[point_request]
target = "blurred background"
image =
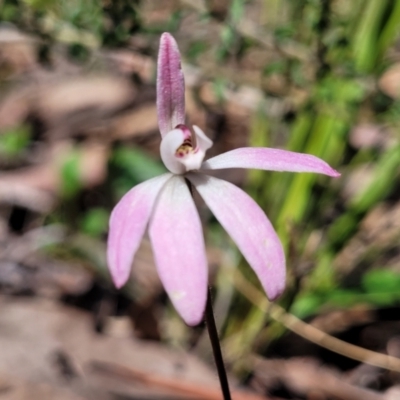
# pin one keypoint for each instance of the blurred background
(78, 129)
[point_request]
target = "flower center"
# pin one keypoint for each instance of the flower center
(184, 149)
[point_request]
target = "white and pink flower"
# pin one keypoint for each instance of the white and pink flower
(165, 207)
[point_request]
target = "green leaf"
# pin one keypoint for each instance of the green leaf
(14, 141)
(70, 175)
(136, 164)
(382, 183)
(345, 297)
(381, 281)
(196, 49)
(306, 305)
(382, 299)
(39, 4)
(95, 221)
(237, 10)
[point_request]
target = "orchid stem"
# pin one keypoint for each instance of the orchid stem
(214, 339)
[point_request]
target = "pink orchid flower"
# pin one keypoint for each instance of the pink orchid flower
(165, 205)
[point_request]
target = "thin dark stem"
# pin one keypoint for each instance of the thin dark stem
(214, 339)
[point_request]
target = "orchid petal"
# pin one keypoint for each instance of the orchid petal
(170, 86)
(271, 160)
(249, 228)
(169, 145)
(127, 225)
(178, 245)
(203, 142)
(194, 157)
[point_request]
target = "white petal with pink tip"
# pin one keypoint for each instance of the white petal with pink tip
(271, 160)
(249, 228)
(128, 223)
(178, 245)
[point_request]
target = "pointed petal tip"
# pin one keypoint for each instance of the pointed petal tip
(119, 276)
(335, 174)
(191, 315)
(272, 296)
(191, 309)
(168, 41)
(167, 36)
(119, 281)
(119, 273)
(326, 169)
(193, 321)
(274, 284)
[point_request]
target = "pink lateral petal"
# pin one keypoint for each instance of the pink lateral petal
(249, 228)
(170, 86)
(271, 160)
(127, 226)
(178, 245)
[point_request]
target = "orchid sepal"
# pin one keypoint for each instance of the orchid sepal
(128, 223)
(270, 160)
(170, 86)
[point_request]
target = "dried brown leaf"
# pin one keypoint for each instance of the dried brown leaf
(46, 343)
(389, 82)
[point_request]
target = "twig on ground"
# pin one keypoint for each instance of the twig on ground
(310, 332)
